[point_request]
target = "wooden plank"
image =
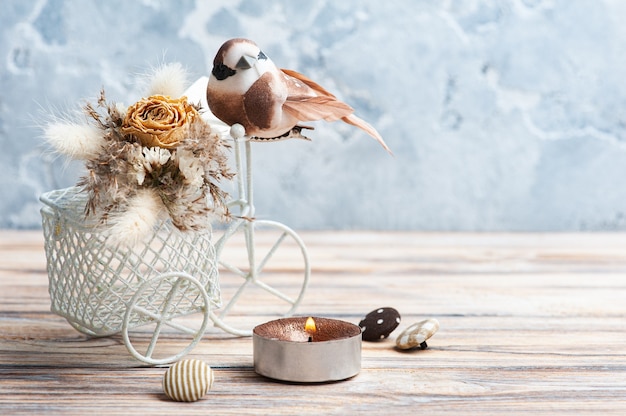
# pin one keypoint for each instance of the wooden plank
(530, 323)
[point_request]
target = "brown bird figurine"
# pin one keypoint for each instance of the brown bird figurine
(245, 87)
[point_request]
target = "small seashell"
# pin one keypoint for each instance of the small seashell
(379, 323)
(187, 380)
(417, 334)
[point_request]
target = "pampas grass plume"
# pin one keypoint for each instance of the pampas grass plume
(131, 226)
(77, 141)
(168, 79)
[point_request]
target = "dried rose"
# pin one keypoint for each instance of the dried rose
(159, 121)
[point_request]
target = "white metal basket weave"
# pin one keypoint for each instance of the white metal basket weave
(103, 290)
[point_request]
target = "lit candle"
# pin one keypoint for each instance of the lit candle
(307, 350)
(310, 328)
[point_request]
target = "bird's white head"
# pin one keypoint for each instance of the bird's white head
(239, 63)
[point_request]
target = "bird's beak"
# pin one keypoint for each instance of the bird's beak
(246, 62)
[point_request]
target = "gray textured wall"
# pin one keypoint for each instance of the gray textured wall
(503, 115)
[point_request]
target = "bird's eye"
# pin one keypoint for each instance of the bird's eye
(261, 56)
(222, 72)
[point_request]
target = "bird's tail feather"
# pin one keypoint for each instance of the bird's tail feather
(366, 127)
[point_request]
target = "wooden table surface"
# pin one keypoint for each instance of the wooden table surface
(530, 323)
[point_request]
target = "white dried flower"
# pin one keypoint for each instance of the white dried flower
(191, 167)
(145, 159)
(154, 157)
(138, 170)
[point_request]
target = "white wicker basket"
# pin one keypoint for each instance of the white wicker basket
(103, 290)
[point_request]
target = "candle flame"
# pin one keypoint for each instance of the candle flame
(309, 326)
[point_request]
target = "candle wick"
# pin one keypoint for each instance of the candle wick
(310, 339)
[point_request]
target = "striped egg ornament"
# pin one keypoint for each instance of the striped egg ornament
(187, 380)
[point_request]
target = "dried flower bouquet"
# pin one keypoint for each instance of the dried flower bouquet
(156, 159)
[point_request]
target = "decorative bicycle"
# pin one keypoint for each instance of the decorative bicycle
(151, 290)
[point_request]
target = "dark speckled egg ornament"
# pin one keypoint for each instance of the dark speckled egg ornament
(379, 323)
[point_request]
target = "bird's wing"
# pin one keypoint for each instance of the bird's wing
(308, 108)
(308, 101)
(308, 81)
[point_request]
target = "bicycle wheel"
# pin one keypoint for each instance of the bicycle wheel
(264, 272)
(162, 305)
